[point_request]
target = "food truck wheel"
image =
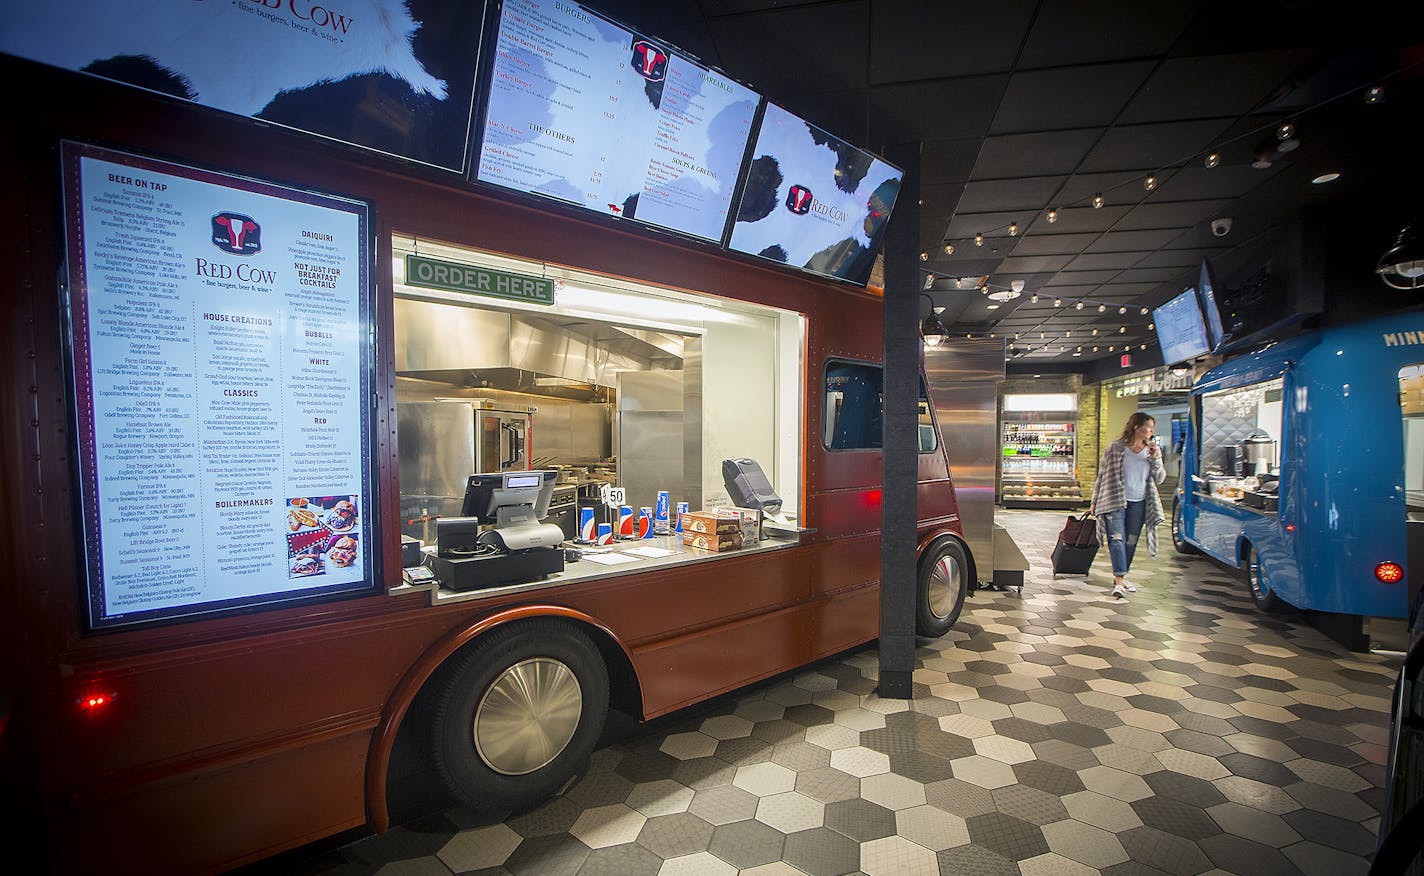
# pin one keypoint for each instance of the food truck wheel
(517, 717)
(944, 575)
(1261, 592)
(1179, 538)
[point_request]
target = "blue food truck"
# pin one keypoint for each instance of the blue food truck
(1303, 462)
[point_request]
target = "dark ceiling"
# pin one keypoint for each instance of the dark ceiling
(1022, 106)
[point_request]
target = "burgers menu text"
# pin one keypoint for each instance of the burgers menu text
(222, 367)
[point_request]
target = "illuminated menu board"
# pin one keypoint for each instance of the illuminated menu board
(588, 112)
(388, 75)
(1180, 331)
(220, 330)
(813, 201)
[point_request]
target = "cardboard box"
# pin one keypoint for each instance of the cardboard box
(713, 541)
(750, 520)
(715, 521)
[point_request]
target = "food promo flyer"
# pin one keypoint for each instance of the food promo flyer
(222, 370)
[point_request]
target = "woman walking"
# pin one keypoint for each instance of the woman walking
(1125, 496)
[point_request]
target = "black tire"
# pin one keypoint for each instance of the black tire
(1261, 592)
(943, 583)
(1179, 538)
(570, 687)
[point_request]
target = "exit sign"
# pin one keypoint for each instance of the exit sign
(1126, 360)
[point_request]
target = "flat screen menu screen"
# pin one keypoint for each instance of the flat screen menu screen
(389, 75)
(220, 334)
(1180, 331)
(588, 112)
(813, 201)
(1206, 288)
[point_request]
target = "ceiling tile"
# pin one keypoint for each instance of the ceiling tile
(1040, 243)
(1032, 264)
(1037, 154)
(1076, 219)
(1133, 241)
(1172, 214)
(1068, 97)
(943, 161)
(964, 226)
(1127, 290)
(1086, 31)
(912, 40)
(1197, 182)
(942, 110)
(1104, 261)
(1114, 187)
(1212, 85)
(1150, 275)
(942, 199)
(1175, 258)
(1148, 147)
(1083, 278)
(1009, 194)
(834, 60)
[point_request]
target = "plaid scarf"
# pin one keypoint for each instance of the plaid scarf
(1109, 493)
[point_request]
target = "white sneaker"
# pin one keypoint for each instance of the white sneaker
(1128, 587)
(1119, 591)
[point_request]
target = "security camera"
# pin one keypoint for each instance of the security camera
(1221, 227)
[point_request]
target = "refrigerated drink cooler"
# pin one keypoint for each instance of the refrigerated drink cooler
(443, 442)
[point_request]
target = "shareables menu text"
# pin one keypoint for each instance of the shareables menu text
(221, 370)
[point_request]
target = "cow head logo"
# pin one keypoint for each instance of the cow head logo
(798, 200)
(649, 60)
(237, 234)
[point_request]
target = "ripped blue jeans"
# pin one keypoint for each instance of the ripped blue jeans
(1124, 527)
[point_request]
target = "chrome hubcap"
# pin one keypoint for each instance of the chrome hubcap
(945, 584)
(527, 716)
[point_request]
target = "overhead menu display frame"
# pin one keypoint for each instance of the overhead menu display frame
(813, 201)
(588, 112)
(394, 76)
(223, 363)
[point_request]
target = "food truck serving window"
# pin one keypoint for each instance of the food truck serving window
(608, 381)
(220, 335)
(1241, 431)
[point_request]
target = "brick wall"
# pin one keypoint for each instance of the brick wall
(1090, 442)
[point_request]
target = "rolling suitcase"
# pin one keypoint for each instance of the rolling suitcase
(1077, 546)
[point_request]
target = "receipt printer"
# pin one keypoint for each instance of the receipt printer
(748, 486)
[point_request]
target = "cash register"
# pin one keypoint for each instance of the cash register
(498, 538)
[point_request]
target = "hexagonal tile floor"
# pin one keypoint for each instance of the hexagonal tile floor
(1059, 731)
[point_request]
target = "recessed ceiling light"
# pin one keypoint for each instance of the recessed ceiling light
(1326, 177)
(993, 307)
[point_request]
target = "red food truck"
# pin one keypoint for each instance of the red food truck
(215, 630)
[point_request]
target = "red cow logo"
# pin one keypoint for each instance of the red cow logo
(237, 234)
(649, 60)
(798, 200)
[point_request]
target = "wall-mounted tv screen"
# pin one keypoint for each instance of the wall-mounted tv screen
(1181, 333)
(389, 75)
(1206, 290)
(812, 200)
(586, 111)
(222, 357)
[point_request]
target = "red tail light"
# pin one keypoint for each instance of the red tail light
(1389, 573)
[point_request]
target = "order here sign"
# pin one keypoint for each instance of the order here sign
(455, 277)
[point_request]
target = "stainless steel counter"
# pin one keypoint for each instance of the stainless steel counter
(588, 570)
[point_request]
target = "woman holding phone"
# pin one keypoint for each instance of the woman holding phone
(1125, 496)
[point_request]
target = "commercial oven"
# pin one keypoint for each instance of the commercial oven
(443, 442)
